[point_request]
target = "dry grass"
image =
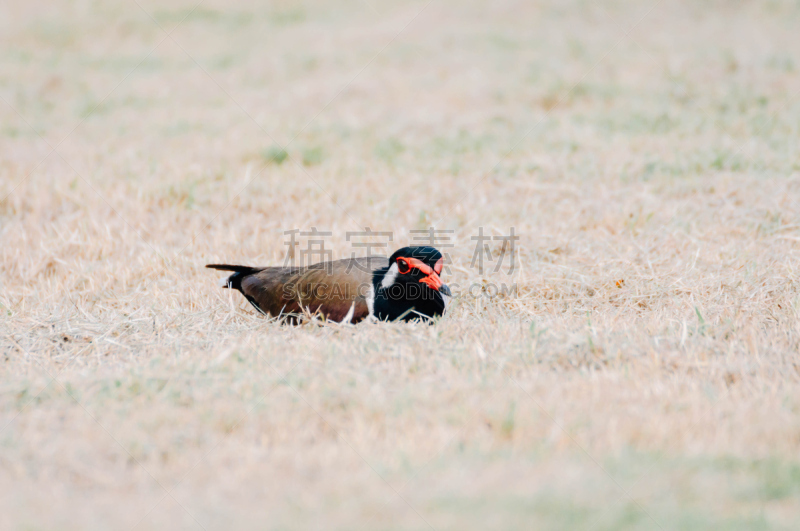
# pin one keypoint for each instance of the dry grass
(644, 376)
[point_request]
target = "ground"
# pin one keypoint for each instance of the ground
(637, 368)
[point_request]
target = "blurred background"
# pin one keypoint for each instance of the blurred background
(643, 375)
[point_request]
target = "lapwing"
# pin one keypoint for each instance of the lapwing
(404, 287)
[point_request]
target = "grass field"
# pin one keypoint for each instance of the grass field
(642, 371)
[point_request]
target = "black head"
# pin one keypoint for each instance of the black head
(410, 287)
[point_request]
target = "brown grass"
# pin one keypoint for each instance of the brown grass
(645, 374)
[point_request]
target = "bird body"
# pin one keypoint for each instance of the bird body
(405, 286)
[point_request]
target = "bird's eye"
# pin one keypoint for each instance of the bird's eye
(402, 266)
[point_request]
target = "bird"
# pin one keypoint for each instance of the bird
(404, 287)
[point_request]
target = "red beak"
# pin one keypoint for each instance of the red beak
(433, 281)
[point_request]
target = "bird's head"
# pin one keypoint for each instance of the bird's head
(416, 265)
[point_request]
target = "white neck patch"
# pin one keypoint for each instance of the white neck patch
(390, 276)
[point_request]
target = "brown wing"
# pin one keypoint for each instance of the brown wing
(330, 288)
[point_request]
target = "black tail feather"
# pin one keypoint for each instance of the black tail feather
(239, 272)
(247, 270)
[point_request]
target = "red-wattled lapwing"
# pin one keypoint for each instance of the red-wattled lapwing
(406, 286)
